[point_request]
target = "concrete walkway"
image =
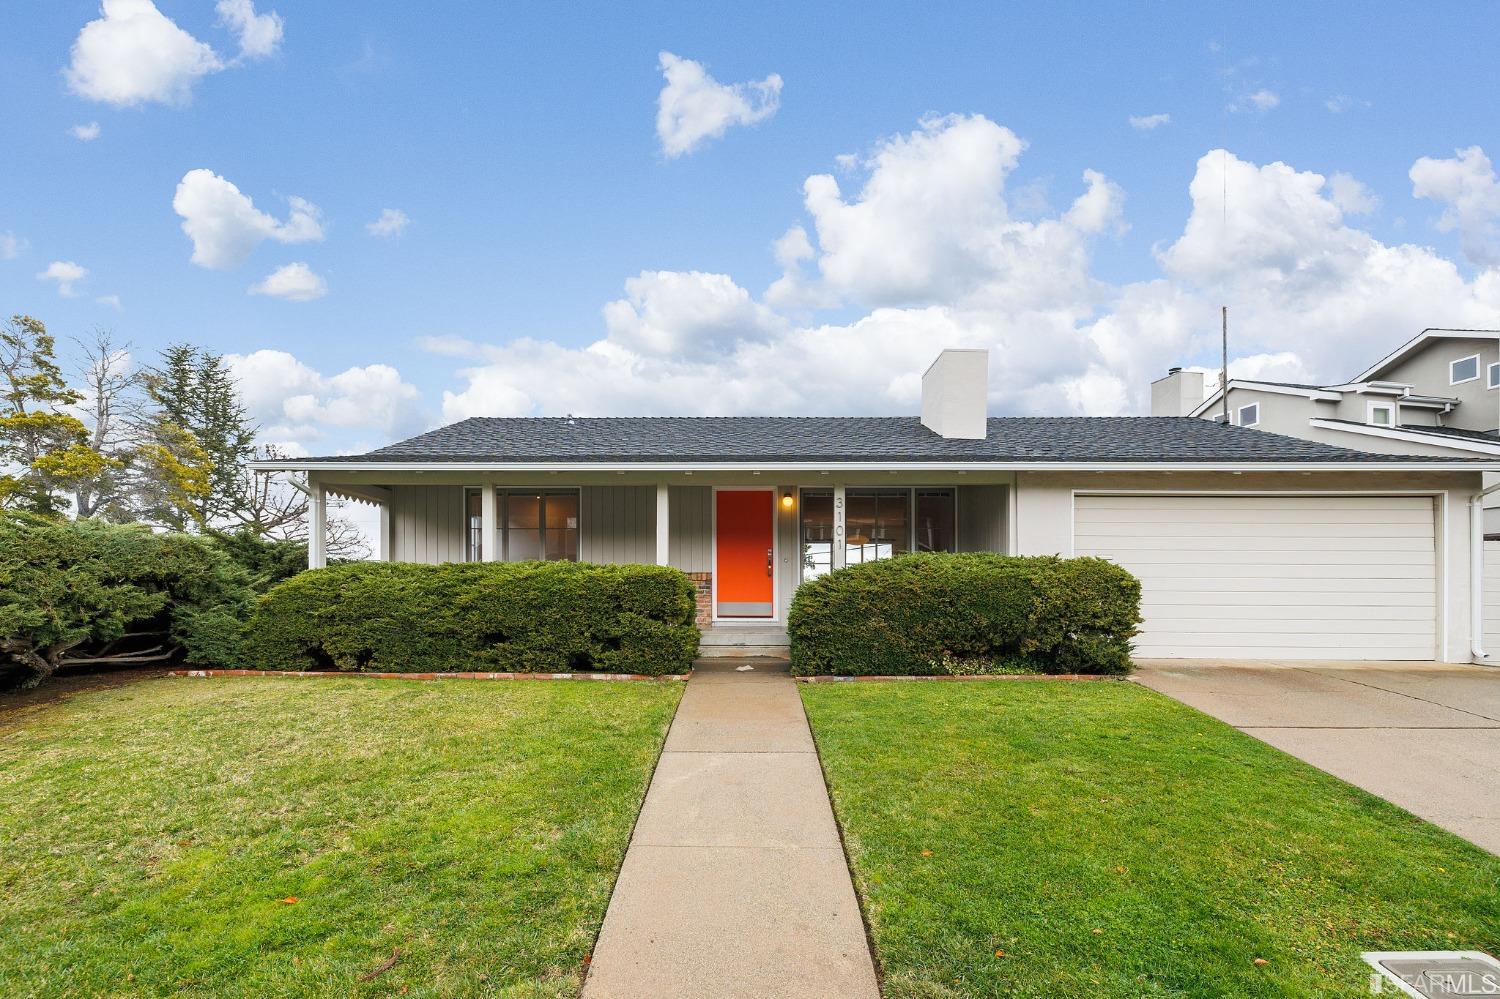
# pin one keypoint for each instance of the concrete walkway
(735, 882)
(1425, 736)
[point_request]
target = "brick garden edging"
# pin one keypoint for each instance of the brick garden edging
(614, 677)
(1065, 677)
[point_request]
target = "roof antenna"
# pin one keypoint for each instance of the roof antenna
(1224, 359)
(1224, 309)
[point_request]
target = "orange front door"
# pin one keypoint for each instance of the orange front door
(745, 520)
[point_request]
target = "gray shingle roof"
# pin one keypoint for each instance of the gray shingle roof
(1486, 437)
(834, 439)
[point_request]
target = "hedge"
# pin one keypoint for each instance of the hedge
(935, 614)
(551, 617)
(88, 593)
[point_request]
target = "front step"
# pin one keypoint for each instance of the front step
(744, 642)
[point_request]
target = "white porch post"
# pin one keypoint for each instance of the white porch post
(663, 525)
(317, 524)
(489, 526)
(383, 543)
(840, 554)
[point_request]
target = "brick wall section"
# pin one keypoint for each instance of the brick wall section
(703, 584)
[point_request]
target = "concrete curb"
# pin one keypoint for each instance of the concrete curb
(1064, 677)
(610, 677)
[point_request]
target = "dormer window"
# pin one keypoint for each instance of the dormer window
(1494, 376)
(1465, 369)
(1382, 414)
(1250, 415)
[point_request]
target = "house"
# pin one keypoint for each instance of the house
(1249, 544)
(1438, 394)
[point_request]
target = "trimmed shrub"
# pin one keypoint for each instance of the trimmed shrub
(88, 593)
(267, 562)
(548, 617)
(936, 614)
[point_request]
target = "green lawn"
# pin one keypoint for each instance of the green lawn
(152, 836)
(1112, 842)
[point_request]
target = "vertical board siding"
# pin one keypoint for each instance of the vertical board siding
(789, 550)
(427, 524)
(690, 528)
(981, 518)
(619, 524)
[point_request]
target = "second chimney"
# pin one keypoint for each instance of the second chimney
(1180, 392)
(954, 394)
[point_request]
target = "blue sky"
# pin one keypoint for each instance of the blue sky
(522, 144)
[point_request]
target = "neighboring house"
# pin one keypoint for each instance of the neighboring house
(1438, 394)
(1248, 544)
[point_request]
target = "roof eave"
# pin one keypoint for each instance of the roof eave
(1142, 465)
(1317, 395)
(1466, 444)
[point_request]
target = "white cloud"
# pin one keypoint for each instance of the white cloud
(694, 107)
(392, 222)
(295, 403)
(932, 224)
(1339, 103)
(1147, 122)
(1351, 195)
(85, 133)
(259, 34)
(1469, 191)
(11, 246)
(113, 301)
(225, 226)
(928, 254)
(447, 345)
(66, 274)
(688, 315)
(294, 282)
(1259, 102)
(793, 289)
(134, 54)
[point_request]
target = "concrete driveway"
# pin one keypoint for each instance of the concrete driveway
(1425, 736)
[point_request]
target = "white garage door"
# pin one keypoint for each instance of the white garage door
(1273, 577)
(1491, 596)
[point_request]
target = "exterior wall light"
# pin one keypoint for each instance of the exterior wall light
(787, 502)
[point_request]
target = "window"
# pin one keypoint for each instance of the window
(878, 524)
(933, 528)
(534, 525)
(1465, 369)
(817, 534)
(1250, 415)
(1382, 414)
(1494, 376)
(474, 519)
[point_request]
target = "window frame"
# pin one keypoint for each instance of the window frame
(911, 515)
(1460, 360)
(472, 552)
(1239, 414)
(1373, 407)
(1492, 375)
(502, 518)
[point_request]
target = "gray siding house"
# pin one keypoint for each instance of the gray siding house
(1249, 544)
(1437, 394)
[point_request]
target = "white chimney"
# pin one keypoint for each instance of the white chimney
(1180, 392)
(954, 391)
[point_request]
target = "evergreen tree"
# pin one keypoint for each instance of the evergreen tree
(201, 438)
(44, 449)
